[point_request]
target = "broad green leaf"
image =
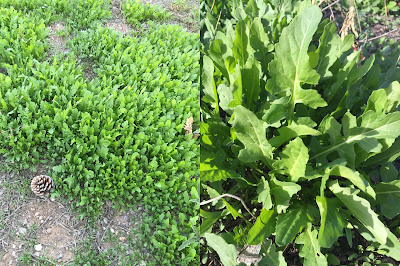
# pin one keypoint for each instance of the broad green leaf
(251, 132)
(390, 249)
(226, 252)
(361, 209)
(225, 96)
(332, 222)
(209, 219)
(344, 71)
(282, 192)
(291, 67)
(330, 49)
(236, 87)
(218, 52)
(212, 173)
(350, 174)
(263, 228)
(393, 95)
(388, 196)
(372, 129)
(294, 158)
(264, 195)
(288, 132)
(251, 74)
(290, 223)
(387, 156)
(211, 170)
(210, 91)
(240, 47)
(271, 257)
(275, 111)
(259, 41)
(252, 8)
(389, 173)
(310, 249)
(392, 74)
(207, 139)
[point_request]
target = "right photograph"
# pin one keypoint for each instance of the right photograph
(300, 126)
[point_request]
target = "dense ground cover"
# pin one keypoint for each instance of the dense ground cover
(299, 136)
(119, 137)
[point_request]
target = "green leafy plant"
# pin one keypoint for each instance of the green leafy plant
(119, 137)
(292, 125)
(136, 12)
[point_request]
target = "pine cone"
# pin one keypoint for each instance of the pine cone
(41, 184)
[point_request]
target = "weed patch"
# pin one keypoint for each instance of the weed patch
(119, 137)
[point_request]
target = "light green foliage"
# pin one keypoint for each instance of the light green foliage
(294, 159)
(119, 137)
(21, 38)
(79, 14)
(251, 132)
(263, 227)
(310, 249)
(291, 66)
(136, 12)
(226, 252)
(294, 124)
(271, 257)
(388, 196)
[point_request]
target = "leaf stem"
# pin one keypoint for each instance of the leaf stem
(228, 195)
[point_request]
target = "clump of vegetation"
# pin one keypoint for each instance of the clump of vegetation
(295, 124)
(137, 12)
(119, 137)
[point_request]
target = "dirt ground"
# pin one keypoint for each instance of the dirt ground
(43, 227)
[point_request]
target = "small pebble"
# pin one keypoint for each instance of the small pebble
(50, 218)
(36, 254)
(10, 262)
(38, 247)
(59, 256)
(22, 230)
(14, 254)
(105, 220)
(20, 246)
(32, 209)
(112, 230)
(14, 246)
(60, 207)
(49, 230)
(122, 238)
(37, 213)
(52, 199)
(40, 217)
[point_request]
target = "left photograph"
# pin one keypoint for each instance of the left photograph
(99, 132)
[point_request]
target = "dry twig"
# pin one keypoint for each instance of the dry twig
(325, 8)
(228, 195)
(216, 25)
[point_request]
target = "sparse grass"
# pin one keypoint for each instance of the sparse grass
(179, 5)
